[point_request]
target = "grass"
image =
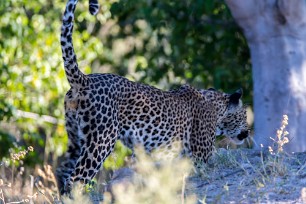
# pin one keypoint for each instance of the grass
(16, 186)
(149, 181)
(166, 181)
(263, 173)
(154, 183)
(273, 164)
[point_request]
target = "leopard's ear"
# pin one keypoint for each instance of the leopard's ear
(211, 89)
(235, 97)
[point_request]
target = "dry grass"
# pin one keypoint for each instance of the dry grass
(271, 165)
(155, 182)
(18, 187)
(148, 181)
(253, 178)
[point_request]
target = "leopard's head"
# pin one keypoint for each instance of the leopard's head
(232, 119)
(234, 126)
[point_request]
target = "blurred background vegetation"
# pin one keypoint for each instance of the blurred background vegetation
(164, 43)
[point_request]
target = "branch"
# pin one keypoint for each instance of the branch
(35, 116)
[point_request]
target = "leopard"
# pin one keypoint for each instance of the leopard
(102, 108)
(231, 125)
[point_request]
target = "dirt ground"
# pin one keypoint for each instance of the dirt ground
(242, 179)
(244, 176)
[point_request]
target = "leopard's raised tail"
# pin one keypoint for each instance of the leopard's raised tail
(74, 75)
(76, 80)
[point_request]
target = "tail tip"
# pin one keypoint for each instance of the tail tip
(93, 7)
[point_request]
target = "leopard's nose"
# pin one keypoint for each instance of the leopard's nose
(244, 134)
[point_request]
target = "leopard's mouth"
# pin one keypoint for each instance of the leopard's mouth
(243, 134)
(239, 139)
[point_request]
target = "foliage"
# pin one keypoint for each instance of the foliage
(32, 75)
(163, 43)
(183, 41)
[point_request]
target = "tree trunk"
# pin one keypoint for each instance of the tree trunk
(276, 35)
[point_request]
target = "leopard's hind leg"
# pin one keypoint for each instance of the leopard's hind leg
(75, 142)
(99, 141)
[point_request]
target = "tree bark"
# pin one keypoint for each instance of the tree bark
(276, 35)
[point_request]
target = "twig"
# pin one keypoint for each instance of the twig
(32, 187)
(2, 196)
(43, 194)
(183, 188)
(233, 172)
(13, 169)
(35, 116)
(16, 202)
(262, 161)
(301, 168)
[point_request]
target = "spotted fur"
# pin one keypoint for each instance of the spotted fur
(103, 108)
(231, 125)
(234, 125)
